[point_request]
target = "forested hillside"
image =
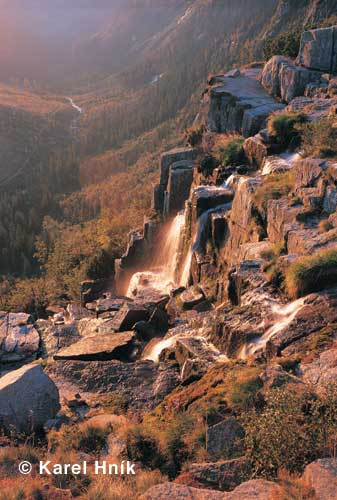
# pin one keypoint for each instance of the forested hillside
(94, 169)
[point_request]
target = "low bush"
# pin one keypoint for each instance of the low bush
(194, 135)
(285, 44)
(319, 138)
(312, 273)
(290, 431)
(284, 127)
(274, 187)
(229, 150)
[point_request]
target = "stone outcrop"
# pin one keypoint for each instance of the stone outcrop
(322, 477)
(143, 384)
(100, 347)
(239, 104)
(322, 371)
(28, 398)
(258, 489)
(224, 475)
(19, 339)
(319, 49)
(285, 80)
(176, 176)
(224, 438)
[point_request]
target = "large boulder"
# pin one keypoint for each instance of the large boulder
(171, 491)
(225, 475)
(319, 49)
(257, 489)
(224, 437)
(284, 80)
(322, 371)
(19, 339)
(28, 398)
(126, 318)
(322, 477)
(100, 347)
(239, 105)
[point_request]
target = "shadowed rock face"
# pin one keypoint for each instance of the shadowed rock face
(100, 347)
(19, 340)
(240, 105)
(28, 398)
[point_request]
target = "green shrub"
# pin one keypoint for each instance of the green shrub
(287, 433)
(230, 151)
(312, 273)
(319, 138)
(274, 187)
(285, 44)
(283, 127)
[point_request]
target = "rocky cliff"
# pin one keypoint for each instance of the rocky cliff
(221, 344)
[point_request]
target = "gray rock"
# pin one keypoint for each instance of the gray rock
(330, 200)
(318, 49)
(172, 491)
(126, 318)
(308, 171)
(100, 347)
(224, 438)
(28, 399)
(225, 475)
(191, 297)
(322, 371)
(322, 477)
(178, 187)
(19, 339)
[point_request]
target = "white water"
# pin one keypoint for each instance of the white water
(161, 276)
(208, 349)
(80, 110)
(283, 162)
(186, 268)
(284, 315)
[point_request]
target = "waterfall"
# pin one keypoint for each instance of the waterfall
(279, 163)
(284, 315)
(160, 276)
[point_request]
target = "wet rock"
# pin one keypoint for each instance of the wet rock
(322, 477)
(28, 399)
(100, 347)
(319, 49)
(127, 317)
(318, 312)
(19, 339)
(225, 475)
(224, 438)
(178, 187)
(191, 297)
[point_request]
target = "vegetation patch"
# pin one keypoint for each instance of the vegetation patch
(274, 187)
(229, 150)
(284, 127)
(312, 273)
(319, 138)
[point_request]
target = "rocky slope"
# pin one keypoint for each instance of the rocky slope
(200, 334)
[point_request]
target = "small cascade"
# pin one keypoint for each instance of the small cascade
(185, 275)
(284, 315)
(281, 163)
(160, 277)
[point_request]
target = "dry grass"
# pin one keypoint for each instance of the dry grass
(294, 487)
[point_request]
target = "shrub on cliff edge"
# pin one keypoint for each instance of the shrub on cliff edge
(312, 273)
(283, 127)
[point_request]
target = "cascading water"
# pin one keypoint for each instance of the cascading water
(284, 315)
(279, 163)
(160, 276)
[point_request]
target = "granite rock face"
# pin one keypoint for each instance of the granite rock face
(319, 49)
(284, 80)
(28, 398)
(100, 347)
(19, 339)
(176, 175)
(224, 475)
(322, 477)
(239, 105)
